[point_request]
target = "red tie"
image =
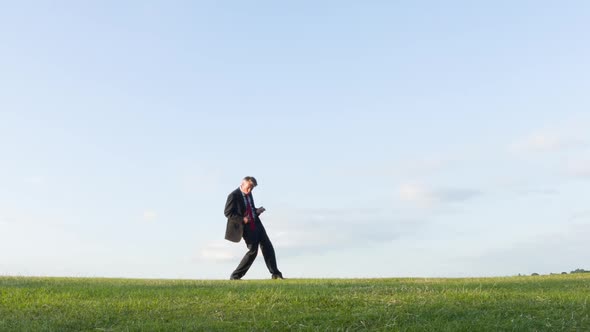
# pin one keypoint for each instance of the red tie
(249, 212)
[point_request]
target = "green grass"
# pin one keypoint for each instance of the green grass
(544, 303)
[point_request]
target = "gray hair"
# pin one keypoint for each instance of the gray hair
(252, 180)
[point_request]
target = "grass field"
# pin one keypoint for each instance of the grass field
(542, 303)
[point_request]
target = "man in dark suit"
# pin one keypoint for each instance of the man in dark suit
(243, 221)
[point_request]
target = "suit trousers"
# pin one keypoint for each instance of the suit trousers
(255, 239)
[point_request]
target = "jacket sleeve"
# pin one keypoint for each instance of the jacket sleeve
(254, 208)
(231, 211)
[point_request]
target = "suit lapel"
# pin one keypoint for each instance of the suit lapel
(252, 202)
(241, 204)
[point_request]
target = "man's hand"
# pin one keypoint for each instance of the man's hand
(246, 220)
(260, 210)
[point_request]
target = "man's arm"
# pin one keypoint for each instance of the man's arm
(230, 207)
(231, 210)
(257, 211)
(260, 210)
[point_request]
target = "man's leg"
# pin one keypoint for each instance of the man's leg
(246, 261)
(268, 252)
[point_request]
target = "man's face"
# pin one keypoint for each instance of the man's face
(246, 187)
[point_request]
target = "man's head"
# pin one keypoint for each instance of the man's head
(248, 183)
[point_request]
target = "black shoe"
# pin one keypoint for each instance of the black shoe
(234, 278)
(277, 276)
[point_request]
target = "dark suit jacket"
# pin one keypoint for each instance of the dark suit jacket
(235, 210)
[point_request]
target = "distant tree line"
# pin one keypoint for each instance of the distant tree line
(574, 271)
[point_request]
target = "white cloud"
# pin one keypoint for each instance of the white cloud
(150, 215)
(424, 197)
(34, 180)
(539, 142)
(425, 166)
(221, 251)
(317, 231)
(580, 168)
(451, 195)
(417, 194)
(30, 218)
(580, 216)
(547, 142)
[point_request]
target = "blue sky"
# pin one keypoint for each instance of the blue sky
(389, 139)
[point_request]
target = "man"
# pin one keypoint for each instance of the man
(243, 221)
